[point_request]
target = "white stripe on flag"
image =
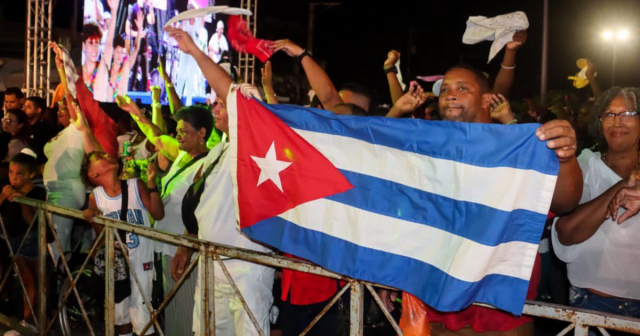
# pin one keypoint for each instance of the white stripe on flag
(501, 188)
(459, 257)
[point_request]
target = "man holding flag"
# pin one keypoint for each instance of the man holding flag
(326, 188)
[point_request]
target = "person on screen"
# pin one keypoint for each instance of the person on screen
(94, 69)
(190, 82)
(93, 11)
(218, 43)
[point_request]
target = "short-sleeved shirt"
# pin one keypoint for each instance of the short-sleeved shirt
(11, 213)
(607, 261)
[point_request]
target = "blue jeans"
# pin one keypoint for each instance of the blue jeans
(587, 300)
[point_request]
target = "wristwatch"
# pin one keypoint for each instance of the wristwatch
(302, 55)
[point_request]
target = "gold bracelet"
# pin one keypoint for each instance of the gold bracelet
(169, 85)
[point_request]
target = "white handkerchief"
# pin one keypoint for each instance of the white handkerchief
(499, 29)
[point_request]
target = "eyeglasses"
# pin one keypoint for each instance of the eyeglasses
(610, 117)
(8, 121)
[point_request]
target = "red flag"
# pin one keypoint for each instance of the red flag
(242, 39)
(277, 169)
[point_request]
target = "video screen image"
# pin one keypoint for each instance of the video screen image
(124, 46)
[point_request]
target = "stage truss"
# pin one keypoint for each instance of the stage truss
(247, 62)
(37, 54)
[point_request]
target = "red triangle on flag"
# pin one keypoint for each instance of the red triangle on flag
(309, 176)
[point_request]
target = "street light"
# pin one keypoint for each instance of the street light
(620, 35)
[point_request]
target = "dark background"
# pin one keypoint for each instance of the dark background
(352, 40)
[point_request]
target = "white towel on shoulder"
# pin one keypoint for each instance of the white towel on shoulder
(499, 29)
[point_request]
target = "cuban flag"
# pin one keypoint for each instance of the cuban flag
(449, 212)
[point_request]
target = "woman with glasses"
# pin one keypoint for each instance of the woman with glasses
(16, 123)
(601, 253)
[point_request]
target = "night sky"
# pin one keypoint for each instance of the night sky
(354, 38)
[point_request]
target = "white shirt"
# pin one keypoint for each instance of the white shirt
(172, 200)
(216, 212)
(609, 260)
(64, 156)
(219, 45)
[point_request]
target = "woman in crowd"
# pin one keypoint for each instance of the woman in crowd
(16, 123)
(195, 125)
(601, 253)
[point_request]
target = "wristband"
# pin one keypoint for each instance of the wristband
(506, 67)
(168, 85)
(303, 54)
(156, 104)
(393, 69)
(152, 190)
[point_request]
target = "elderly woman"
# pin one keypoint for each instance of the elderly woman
(599, 247)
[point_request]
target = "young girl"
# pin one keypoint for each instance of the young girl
(100, 170)
(17, 218)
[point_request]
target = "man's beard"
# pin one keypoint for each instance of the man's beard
(463, 116)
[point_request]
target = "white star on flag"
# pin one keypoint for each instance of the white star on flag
(270, 167)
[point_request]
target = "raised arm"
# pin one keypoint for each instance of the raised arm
(156, 109)
(133, 53)
(219, 80)
(80, 123)
(561, 137)
(319, 80)
(267, 84)
(504, 80)
(174, 100)
(108, 48)
(391, 70)
(167, 145)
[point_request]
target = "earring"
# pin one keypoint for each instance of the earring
(201, 141)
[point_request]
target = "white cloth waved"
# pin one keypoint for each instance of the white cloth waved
(499, 29)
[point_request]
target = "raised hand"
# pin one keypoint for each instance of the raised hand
(58, 59)
(152, 173)
(80, 123)
(113, 5)
(249, 91)
(267, 76)
(409, 102)
(185, 42)
(127, 105)
(288, 47)
(500, 109)
(591, 69)
(392, 58)
(519, 39)
(156, 91)
(561, 137)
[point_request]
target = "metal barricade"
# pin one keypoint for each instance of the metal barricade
(209, 253)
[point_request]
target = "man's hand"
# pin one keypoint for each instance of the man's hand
(162, 73)
(179, 262)
(185, 42)
(267, 76)
(388, 298)
(500, 109)
(156, 91)
(627, 198)
(88, 214)
(80, 123)
(392, 58)
(519, 39)
(561, 137)
(409, 102)
(249, 91)
(288, 47)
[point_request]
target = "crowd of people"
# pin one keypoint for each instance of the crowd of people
(175, 161)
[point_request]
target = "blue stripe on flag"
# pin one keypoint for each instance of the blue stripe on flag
(484, 145)
(458, 217)
(433, 286)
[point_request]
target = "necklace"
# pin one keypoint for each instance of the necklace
(604, 159)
